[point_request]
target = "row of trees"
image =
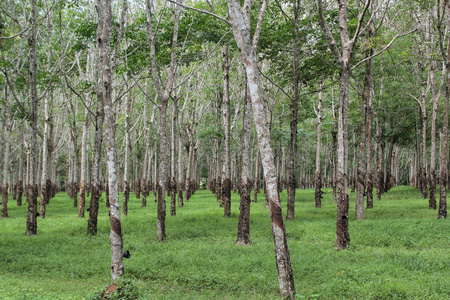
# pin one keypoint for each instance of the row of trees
(159, 96)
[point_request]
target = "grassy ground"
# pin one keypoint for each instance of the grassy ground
(400, 251)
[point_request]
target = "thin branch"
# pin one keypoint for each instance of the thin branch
(398, 35)
(201, 11)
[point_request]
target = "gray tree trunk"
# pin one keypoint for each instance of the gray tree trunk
(115, 237)
(226, 175)
(32, 188)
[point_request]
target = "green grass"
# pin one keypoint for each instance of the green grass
(400, 251)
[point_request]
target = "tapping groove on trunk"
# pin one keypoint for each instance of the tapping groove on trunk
(442, 214)
(291, 195)
(243, 235)
(93, 210)
(44, 201)
(369, 191)
(432, 200)
(115, 225)
(145, 188)
(226, 196)
(318, 190)
(188, 190)
(5, 201)
(32, 194)
(342, 233)
(82, 202)
(173, 195)
(161, 220)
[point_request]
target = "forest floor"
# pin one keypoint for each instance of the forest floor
(400, 251)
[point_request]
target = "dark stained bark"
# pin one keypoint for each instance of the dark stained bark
(126, 197)
(318, 190)
(243, 234)
(245, 185)
(387, 182)
(173, 195)
(4, 201)
(19, 192)
(93, 210)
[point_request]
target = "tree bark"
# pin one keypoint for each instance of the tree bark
(226, 175)
(257, 175)
(83, 179)
(318, 175)
(99, 119)
(32, 188)
(115, 238)
(362, 164)
(180, 172)
(126, 169)
(6, 151)
(173, 160)
(245, 185)
(442, 212)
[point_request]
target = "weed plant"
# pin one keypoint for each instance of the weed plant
(399, 251)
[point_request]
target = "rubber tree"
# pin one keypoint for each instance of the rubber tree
(32, 185)
(163, 96)
(240, 23)
(343, 62)
(443, 176)
(115, 238)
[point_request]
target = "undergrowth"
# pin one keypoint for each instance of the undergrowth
(400, 251)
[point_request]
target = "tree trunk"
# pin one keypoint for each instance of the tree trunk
(318, 175)
(387, 182)
(45, 192)
(6, 151)
(369, 70)
(424, 147)
(442, 213)
(126, 169)
(32, 188)
(164, 99)
(83, 179)
(362, 164)
(115, 238)
(334, 153)
(20, 179)
(245, 186)
(180, 172)
(96, 191)
(435, 95)
(342, 233)
(257, 181)
(226, 175)
(241, 28)
(173, 160)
